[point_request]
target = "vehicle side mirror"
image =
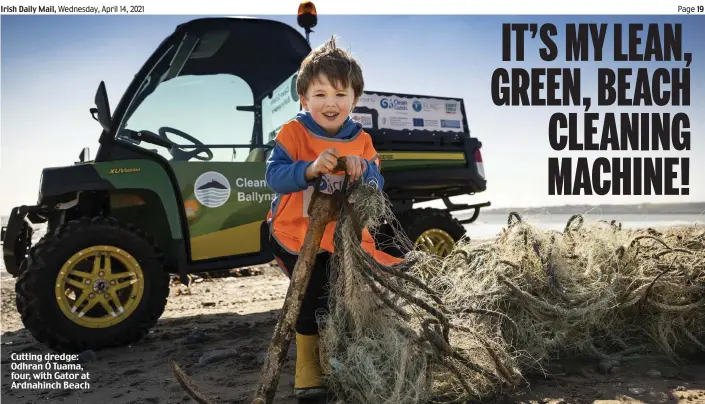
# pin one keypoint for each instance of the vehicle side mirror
(102, 110)
(94, 113)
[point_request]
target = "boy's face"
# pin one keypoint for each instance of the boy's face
(329, 105)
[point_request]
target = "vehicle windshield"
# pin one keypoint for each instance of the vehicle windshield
(203, 107)
(213, 107)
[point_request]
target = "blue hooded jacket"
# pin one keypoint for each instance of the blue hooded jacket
(285, 176)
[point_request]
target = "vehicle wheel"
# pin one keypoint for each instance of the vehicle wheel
(433, 230)
(93, 283)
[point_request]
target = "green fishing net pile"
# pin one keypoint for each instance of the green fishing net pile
(473, 323)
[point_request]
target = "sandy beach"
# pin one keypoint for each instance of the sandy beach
(219, 330)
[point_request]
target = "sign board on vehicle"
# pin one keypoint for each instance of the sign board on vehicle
(364, 119)
(280, 107)
(399, 112)
(393, 111)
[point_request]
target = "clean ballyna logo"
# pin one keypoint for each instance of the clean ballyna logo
(212, 189)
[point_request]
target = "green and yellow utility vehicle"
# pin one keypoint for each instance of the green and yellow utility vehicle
(177, 185)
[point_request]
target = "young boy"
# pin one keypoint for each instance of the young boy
(329, 85)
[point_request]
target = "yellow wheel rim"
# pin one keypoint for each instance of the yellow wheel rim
(435, 241)
(94, 292)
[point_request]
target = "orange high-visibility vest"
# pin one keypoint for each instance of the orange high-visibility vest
(288, 224)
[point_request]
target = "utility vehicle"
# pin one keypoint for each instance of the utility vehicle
(177, 185)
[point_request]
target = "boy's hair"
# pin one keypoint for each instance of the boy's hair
(336, 64)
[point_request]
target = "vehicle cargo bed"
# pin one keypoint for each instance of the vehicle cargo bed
(424, 144)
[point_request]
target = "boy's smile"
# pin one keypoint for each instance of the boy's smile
(329, 106)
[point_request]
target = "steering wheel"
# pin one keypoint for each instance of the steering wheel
(181, 155)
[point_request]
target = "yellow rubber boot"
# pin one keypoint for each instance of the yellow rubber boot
(307, 381)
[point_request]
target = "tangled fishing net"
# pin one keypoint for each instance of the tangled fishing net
(475, 322)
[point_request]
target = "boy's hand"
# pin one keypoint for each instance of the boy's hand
(356, 166)
(324, 164)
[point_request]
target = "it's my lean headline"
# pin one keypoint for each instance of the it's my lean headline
(653, 86)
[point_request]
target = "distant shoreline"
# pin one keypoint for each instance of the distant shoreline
(694, 208)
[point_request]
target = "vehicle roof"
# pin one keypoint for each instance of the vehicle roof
(260, 51)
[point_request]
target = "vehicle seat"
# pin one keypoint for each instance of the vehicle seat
(256, 156)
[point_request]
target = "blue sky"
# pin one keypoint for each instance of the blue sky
(52, 65)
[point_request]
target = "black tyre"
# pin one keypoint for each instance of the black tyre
(114, 268)
(432, 230)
